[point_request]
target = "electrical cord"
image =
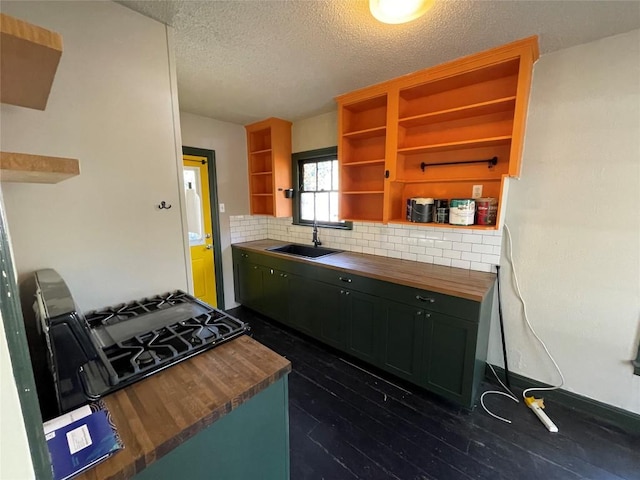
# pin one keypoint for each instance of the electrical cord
(526, 318)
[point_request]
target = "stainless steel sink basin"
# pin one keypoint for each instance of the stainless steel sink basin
(303, 250)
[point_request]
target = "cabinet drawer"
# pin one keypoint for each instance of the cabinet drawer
(436, 302)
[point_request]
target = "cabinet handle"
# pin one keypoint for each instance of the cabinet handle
(244, 255)
(347, 293)
(345, 279)
(284, 275)
(341, 292)
(424, 299)
(255, 267)
(271, 271)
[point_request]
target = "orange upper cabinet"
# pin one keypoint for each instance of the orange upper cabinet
(435, 133)
(269, 150)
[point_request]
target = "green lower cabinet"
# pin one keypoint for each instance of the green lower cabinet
(362, 321)
(433, 340)
(276, 293)
(250, 442)
(401, 340)
(449, 357)
(248, 283)
(304, 306)
(329, 315)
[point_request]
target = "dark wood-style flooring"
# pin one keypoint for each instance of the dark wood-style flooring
(348, 423)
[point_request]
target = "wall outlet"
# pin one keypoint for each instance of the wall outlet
(222, 208)
(477, 191)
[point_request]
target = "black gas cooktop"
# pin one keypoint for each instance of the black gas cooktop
(104, 350)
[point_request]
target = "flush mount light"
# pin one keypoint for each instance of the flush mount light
(398, 11)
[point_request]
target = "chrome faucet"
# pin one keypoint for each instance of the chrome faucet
(315, 239)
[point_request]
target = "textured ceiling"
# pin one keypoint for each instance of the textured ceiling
(242, 61)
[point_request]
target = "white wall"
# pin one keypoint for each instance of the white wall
(575, 222)
(228, 140)
(15, 457)
(315, 132)
(111, 108)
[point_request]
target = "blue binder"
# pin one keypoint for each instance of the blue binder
(82, 444)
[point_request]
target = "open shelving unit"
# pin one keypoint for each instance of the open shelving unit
(435, 133)
(29, 57)
(269, 151)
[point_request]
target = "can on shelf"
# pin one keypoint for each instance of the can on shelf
(409, 209)
(422, 210)
(441, 211)
(462, 211)
(486, 210)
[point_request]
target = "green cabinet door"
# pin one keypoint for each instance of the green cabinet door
(362, 322)
(328, 312)
(449, 357)
(304, 305)
(275, 303)
(402, 340)
(248, 282)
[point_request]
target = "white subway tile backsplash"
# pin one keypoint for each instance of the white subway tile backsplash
(461, 263)
(492, 259)
(426, 242)
(443, 244)
(442, 261)
(473, 257)
(491, 240)
(425, 258)
(409, 256)
(481, 248)
(482, 267)
(452, 237)
(451, 254)
(461, 248)
(470, 238)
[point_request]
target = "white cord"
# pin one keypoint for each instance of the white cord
(497, 392)
(526, 318)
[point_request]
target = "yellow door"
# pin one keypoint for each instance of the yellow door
(198, 206)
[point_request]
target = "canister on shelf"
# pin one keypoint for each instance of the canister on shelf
(462, 211)
(422, 210)
(486, 210)
(441, 211)
(409, 209)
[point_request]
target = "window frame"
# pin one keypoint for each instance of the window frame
(309, 156)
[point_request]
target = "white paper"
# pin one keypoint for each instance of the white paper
(78, 438)
(66, 419)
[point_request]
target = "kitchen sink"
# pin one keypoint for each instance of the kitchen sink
(303, 250)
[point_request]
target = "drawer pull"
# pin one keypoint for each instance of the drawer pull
(284, 275)
(345, 279)
(425, 299)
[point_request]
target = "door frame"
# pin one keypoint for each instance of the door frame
(210, 155)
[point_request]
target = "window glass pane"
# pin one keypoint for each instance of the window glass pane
(322, 206)
(309, 177)
(324, 175)
(335, 175)
(333, 207)
(306, 206)
(193, 204)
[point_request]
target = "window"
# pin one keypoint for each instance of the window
(316, 179)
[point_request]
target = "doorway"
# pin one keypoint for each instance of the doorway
(201, 205)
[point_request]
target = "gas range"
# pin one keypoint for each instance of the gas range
(97, 353)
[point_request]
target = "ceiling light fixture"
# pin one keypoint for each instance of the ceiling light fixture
(398, 11)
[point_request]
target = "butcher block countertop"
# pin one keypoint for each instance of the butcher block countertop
(457, 282)
(157, 414)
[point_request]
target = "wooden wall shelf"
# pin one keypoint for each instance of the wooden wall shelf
(22, 167)
(29, 57)
(450, 115)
